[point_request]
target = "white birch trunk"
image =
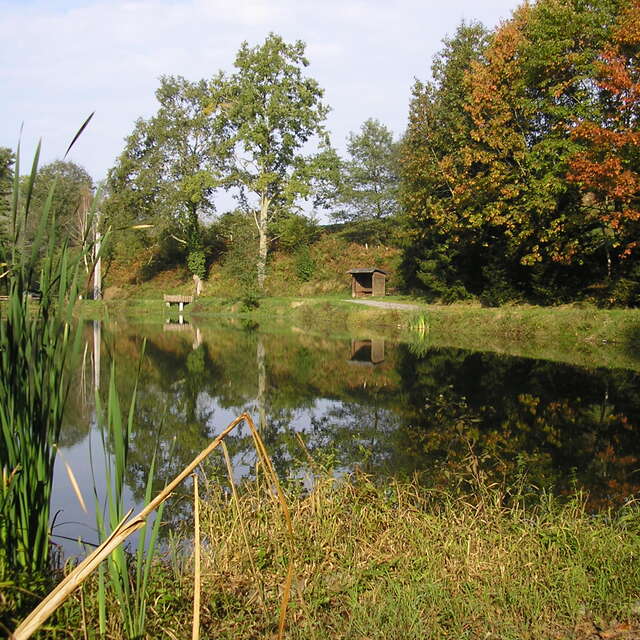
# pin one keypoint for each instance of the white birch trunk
(263, 240)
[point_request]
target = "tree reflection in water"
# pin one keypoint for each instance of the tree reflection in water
(444, 413)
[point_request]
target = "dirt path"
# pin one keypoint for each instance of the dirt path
(386, 305)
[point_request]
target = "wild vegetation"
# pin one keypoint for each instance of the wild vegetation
(395, 561)
(517, 180)
(520, 162)
(37, 342)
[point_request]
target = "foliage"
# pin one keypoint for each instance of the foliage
(496, 193)
(170, 166)
(438, 126)
(131, 598)
(368, 188)
(36, 346)
(71, 203)
(239, 236)
(6, 180)
(196, 261)
(607, 168)
(305, 264)
(294, 231)
(274, 112)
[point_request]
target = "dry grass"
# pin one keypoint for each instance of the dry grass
(393, 561)
(399, 562)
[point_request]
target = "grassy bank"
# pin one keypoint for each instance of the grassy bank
(397, 561)
(583, 336)
(400, 562)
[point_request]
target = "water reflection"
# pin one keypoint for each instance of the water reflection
(367, 351)
(441, 412)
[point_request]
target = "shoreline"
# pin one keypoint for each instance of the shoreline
(584, 336)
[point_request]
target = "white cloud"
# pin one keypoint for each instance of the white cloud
(59, 64)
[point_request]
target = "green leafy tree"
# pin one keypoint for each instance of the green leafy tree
(537, 80)
(72, 197)
(430, 163)
(489, 208)
(7, 159)
(368, 189)
(275, 112)
(170, 167)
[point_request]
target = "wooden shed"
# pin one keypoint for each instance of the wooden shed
(367, 351)
(367, 282)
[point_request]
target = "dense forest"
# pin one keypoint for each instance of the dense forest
(517, 178)
(521, 162)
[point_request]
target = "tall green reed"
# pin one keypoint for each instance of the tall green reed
(128, 580)
(418, 334)
(37, 343)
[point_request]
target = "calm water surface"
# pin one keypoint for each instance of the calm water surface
(386, 408)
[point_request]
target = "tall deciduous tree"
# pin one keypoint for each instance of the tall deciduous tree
(607, 168)
(492, 188)
(369, 180)
(275, 112)
(171, 166)
(7, 158)
(536, 81)
(71, 200)
(431, 163)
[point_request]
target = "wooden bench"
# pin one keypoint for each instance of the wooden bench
(179, 300)
(34, 297)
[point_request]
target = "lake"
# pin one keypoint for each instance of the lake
(350, 403)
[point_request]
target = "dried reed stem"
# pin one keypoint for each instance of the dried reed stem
(196, 569)
(124, 529)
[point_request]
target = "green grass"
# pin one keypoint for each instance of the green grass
(584, 336)
(37, 344)
(399, 561)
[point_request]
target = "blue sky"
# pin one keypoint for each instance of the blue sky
(61, 60)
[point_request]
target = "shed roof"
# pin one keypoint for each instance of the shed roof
(369, 270)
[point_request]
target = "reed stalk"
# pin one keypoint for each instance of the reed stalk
(125, 528)
(37, 343)
(129, 525)
(131, 596)
(195, 633)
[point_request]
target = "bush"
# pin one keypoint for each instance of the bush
(305, 265)
(196, 261)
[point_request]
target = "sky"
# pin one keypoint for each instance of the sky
(62, 59)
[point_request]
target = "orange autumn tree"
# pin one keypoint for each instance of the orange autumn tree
(607, 169)
(534, 83)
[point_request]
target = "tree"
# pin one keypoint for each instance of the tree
(7, 158)
(607, 168)
(71, 200)
(537, 80)
(369, 178)
(171, 166)
(489, 207)
(274, 112)
(430, 163)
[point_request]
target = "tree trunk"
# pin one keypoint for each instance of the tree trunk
(261, 400)
(97, 269)
(607, 252)
(264, 241)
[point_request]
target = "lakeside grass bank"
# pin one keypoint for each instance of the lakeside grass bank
(394, 560)
(584, 336)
